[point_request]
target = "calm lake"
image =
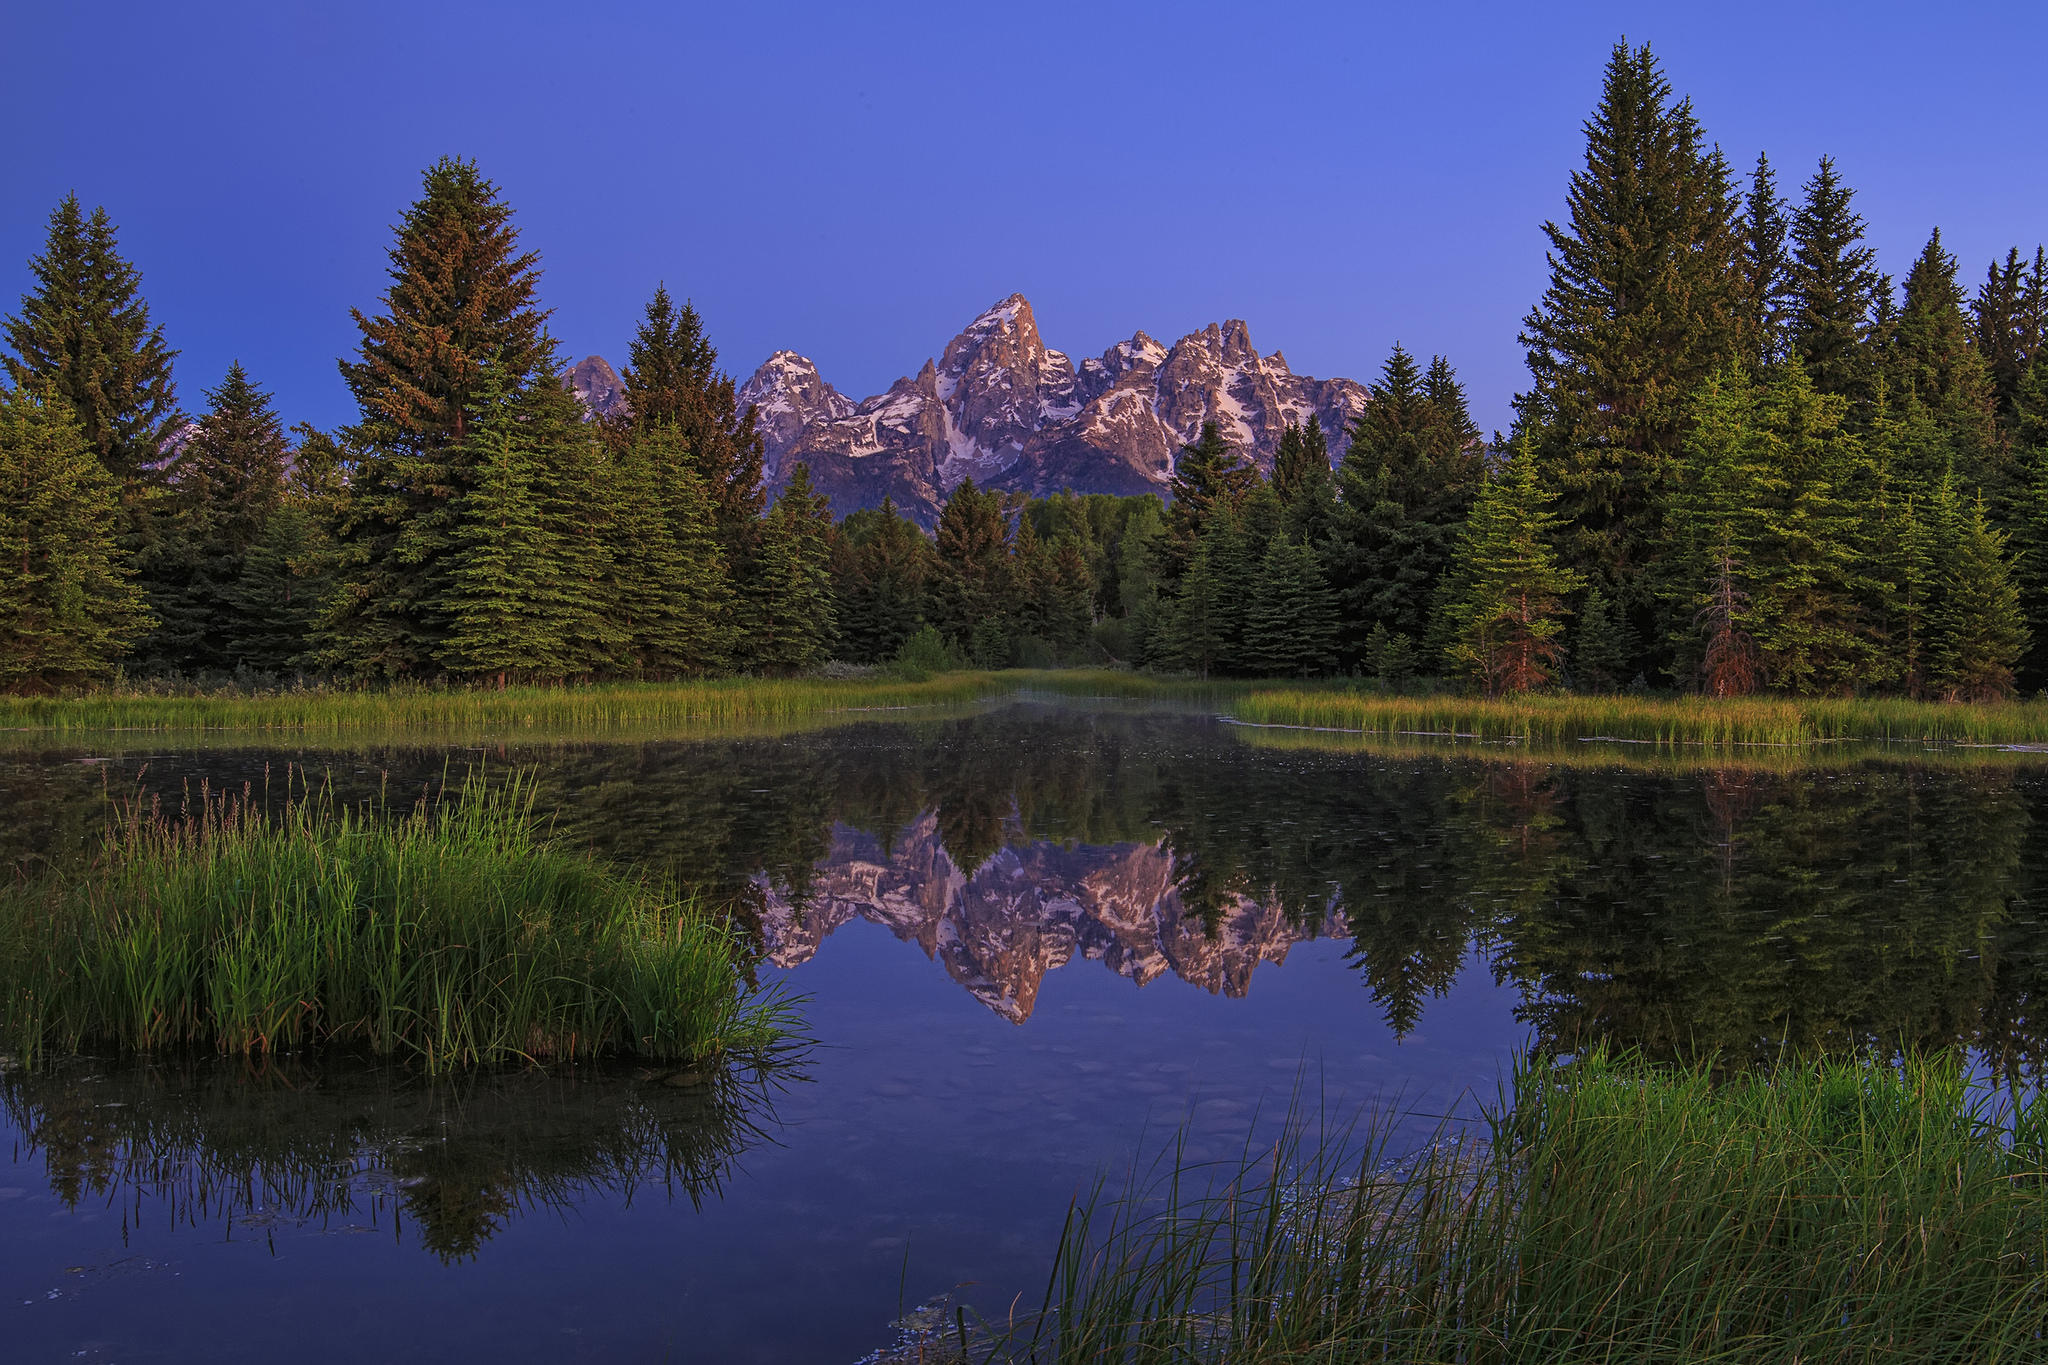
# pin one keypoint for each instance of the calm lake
(1034, 940)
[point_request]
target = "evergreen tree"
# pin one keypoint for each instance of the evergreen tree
(1302, 480)
(1389, 657)
(69, 608)
(794, 626)
(672, 593)
(461, 303)
(1209, 477)
(972, 589)
(1834, 285)
(576, 481)
(1205, 624)
(1981, 631)
(1998, 316)
(1290, 622)
(1766, 269)
(1506, 589)
(283, 594)
(507, 604)
(1931, 359)
(223, 488)
(84, 334)
(1408, 479)
(1603, 647)
(672, 378)
(2029, 518)
(882, 587)
(1645, 301)
(1770, 538)
(1138, 556)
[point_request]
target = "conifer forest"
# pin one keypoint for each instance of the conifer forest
(1749, 459)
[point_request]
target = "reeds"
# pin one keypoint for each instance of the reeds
(595, 709)
(1833, 1212)
(1657, 720)
(453, 936)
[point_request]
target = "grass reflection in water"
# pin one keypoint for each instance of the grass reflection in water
(446, 1163)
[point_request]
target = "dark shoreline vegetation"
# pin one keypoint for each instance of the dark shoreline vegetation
(1848, 1210)
(723, 706)
(449, 937)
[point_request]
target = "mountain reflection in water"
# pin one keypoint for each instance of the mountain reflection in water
(1726, 910)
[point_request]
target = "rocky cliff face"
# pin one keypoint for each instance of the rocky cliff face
(999, 928)
(1002, 408)
(598, 385)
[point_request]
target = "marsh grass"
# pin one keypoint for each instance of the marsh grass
(593, 710)
(450, 936)
(1615, 1212)
(1656, 720)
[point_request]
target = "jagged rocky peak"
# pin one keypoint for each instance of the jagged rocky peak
(598, 385)
(788, 394)
(1001, 407)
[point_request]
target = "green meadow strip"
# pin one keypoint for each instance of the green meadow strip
(1654, 720)
(1616, 1212)
(450, 937)
(594, 709)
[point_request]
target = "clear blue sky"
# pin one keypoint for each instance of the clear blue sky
(856, 181)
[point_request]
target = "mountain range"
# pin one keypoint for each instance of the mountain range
(1000, 407)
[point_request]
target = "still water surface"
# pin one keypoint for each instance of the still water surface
(1034, 940)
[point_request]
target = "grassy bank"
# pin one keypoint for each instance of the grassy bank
(448, 937)
(1657, 720)
(597, 709)
(1836, 1212)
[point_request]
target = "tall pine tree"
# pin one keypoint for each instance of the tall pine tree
(461, 303)
(69, 607)
(1835, 287)
(1504, 606)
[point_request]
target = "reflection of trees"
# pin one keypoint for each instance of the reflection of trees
(211, 1144)
(1676, 911)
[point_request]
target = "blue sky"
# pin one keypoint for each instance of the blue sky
(856, 181)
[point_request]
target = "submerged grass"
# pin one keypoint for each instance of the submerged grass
(449, 937)
(1834, 1212)
(595, 709)
(1658, 720)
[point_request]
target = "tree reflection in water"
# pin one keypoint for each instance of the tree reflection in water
(445, 1164)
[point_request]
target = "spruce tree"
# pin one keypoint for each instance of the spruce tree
(1835, 287)
(794, 625)
(69, 607)
(283, 595)
(972, 587)
(1505, 599)
(461, 303)
(1204, 628)
(1981, 630)
(671, 589)
(223, 488)
(1645, 301)
(672, 378)
(1389, 658)
(882, 587)
(84, 334)
(1766, 269)
(1209, 477)
(1603, 646)
(1290, 619)
(1408, 479)
(1999, 325)
(2029, 518)
(1301, 478)
(1931, 359)
(576, 481)
(507, 602)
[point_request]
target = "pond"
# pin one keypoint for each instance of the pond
(1034, 940)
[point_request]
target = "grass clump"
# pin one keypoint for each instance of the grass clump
(1657, 720)
(1837, 1212)
(450, 937)
(579, 710)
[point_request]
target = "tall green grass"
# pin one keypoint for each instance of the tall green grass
(594, 709)
(1837, 1212)
(452, 936)
(1658, 720)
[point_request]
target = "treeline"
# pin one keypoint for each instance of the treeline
(472, 524)
(1747, 461)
